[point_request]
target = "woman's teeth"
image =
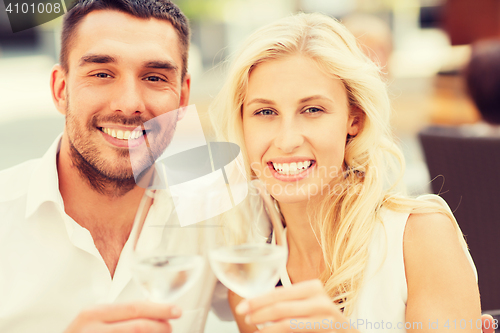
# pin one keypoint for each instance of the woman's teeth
(291, 168)
(122, 135)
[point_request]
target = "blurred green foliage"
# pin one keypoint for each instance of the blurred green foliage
(200, 10)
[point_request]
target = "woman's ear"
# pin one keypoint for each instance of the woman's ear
(58, 88)
(355, 122)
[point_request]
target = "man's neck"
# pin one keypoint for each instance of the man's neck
(108, 217)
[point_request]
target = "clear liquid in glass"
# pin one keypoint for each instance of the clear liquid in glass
(164, 278)
(249, 269)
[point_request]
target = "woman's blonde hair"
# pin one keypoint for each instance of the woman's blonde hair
(374, 164)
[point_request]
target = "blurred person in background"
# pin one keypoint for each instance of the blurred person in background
(482, 76)
(374, 37)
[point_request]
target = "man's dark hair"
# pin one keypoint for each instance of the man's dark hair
(483, 79)
(159, 9)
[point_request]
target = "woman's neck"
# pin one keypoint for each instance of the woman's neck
(298, 224)
(305, 253)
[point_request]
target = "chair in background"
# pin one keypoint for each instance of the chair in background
(466, 173)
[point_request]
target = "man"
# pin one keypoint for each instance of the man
(66, 218)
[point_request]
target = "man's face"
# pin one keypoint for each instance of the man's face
(122, 72)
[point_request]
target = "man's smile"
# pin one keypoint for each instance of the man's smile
(122, 134)
(123, 137)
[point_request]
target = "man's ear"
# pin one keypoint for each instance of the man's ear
(184, 100)
(181, 112)
(356, 120)
(58, 79)
(185, 90)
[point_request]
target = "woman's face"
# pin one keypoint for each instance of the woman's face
(295, 123)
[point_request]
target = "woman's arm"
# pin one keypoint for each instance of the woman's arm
(442, 289)
(234, 300)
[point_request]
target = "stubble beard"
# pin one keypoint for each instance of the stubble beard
(95, 170)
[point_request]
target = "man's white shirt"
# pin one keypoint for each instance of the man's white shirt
(50, 268)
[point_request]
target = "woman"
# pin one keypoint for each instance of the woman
(312, 117)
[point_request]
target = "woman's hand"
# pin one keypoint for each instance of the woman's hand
(303, 307)
(489, 324)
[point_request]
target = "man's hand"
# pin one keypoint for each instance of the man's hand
(124, 318)
(488, 324)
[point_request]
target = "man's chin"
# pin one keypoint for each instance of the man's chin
(118, 174)
(112, 166)
(106, 177)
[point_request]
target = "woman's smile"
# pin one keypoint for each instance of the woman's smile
(290, 172)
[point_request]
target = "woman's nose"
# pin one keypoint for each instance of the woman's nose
(289, 136)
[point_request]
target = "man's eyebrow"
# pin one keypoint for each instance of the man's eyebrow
(168, 65)
(261, 101)
(96, 59)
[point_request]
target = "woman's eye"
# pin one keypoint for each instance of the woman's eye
(313, 110)
(102, 75)
(265, 112)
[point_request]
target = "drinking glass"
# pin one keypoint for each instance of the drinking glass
(250, 266)
(167, 259)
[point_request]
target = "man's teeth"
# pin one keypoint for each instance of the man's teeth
(122, 135)
(291, 168)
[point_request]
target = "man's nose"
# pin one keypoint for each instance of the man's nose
(128, 97)
(289, 135)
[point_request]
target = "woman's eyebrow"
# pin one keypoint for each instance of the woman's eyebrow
(310, 98)
(303, 100)
(260, 101)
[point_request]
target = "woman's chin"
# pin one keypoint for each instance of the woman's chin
(295, 192)
(292, 197)
(288, 200)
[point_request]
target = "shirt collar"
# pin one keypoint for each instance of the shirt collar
(44, 182)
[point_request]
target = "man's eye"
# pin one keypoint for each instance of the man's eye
(102, 75)
(155, 79)
(313, 110)
(265, 112)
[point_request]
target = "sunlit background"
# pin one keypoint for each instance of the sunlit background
(423, 44)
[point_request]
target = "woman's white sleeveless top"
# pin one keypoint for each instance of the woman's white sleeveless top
(381, 303)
